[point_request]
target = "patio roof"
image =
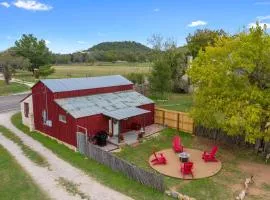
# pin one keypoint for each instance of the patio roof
(102, 103)
(125, 113)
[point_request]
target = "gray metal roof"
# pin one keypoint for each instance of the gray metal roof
(125, 113)
(70, 84)
(102, 103)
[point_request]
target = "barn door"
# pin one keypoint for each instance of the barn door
(81, 142)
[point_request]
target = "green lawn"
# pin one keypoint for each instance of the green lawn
(178, 102)
(100, 172)
(98, 69)
(220, 186)
(11, 88)
(15, 183)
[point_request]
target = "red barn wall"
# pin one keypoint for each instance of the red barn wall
(144, 120)
(77, 93)
(94, 123)
(43, 100)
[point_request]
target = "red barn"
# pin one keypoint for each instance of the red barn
(63, 107)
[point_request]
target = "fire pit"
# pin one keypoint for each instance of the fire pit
(184, 157)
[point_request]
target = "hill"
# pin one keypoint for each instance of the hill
(124, 50)
(116, 46)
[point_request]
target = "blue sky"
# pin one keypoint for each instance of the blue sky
(71, 25)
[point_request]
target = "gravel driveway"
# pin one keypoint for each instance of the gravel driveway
(47, 179)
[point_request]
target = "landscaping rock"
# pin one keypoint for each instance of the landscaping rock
(178, 195)
(174, 194)
(168, 192)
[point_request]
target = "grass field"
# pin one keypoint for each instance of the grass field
(178, 102)
(11, 88)
(99, 69)
(15, 183)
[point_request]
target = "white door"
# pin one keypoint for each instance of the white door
(115, 127)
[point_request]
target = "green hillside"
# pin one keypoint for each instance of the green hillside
(120, 51)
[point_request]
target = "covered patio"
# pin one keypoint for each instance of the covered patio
(131, 137)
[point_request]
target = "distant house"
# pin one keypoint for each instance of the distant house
(62, 107)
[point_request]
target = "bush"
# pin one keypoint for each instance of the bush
(136, 78)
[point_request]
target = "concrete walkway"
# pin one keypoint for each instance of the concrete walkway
(47, 178)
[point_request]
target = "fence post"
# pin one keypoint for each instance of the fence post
(178, 118)
(163, 117)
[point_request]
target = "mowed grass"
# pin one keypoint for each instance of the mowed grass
(15, 183)
(220, 186)
(11, 88)
(27, 151)
(101, 173)
(175, 101)
(98, 69)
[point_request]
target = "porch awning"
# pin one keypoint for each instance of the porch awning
(125, 113)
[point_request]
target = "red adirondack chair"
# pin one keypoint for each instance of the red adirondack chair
(159, 159)
(186, 169)
(210, 156)
(176, 144)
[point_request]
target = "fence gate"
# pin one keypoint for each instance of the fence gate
(81, 142)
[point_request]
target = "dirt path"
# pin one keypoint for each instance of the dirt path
(261, 175)
(47, 179)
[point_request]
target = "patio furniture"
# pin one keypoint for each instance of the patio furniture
(184, 157)
(176, 144)
(100, 138)
(159, 159)
(210, 156)
(186, 169)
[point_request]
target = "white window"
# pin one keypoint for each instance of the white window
(62, 118)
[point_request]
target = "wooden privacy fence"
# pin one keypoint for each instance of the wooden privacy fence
(174, 119)
(117, 164)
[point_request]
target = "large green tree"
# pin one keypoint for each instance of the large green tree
(232, 85)
(201, 39)
(33, 49)
(168, 65)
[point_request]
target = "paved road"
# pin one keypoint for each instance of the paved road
(9, 103)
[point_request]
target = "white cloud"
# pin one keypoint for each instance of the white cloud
(261, 24)
(262, 3)
(5, 4)
(32, 5)
(47, 42)
(197, 23)
(81, 42)
(263, 17)
(156, 10)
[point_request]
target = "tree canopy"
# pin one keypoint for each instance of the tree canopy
(33, 49)
(168, 65)
(232, 85)
(201, 39)
(10, 62)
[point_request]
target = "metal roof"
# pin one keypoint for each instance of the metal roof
(70, 84)
(102, 103)
(125, 113)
